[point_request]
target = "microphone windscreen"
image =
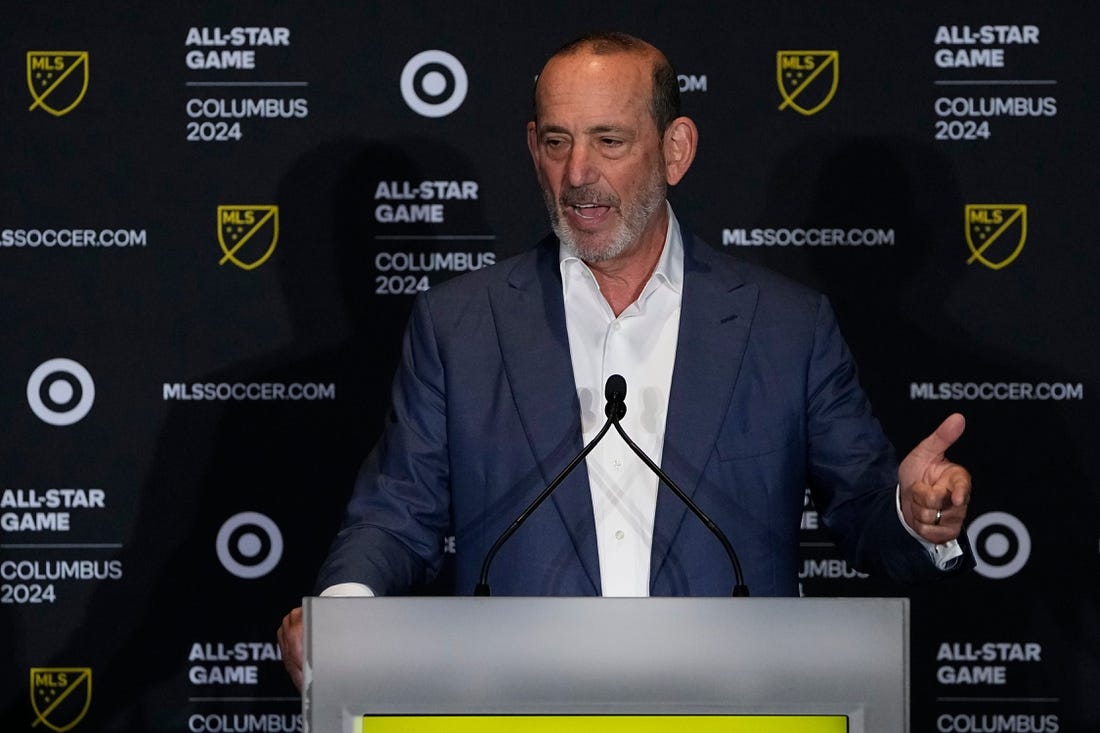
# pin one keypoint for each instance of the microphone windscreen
(615, 388)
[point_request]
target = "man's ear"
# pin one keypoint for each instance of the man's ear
(680, 141)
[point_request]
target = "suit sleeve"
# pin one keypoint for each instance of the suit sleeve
(853, 467)
(393, 526)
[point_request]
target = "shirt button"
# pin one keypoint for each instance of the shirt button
(616, 326)
(619, 534)
(617, 463)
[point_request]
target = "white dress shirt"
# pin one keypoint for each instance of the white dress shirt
(639, 344)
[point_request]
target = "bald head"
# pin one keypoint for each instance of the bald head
(664, 100)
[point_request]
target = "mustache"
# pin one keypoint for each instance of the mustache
(587, 195)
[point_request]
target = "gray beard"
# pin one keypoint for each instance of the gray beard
(629, 231)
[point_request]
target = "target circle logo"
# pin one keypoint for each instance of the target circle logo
(249, 545)
(434, 83)
(60, 391)
(1001, 543)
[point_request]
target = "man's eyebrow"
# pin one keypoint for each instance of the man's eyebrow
(544, 129)
(604, 129)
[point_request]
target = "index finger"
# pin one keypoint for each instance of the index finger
(956, 483)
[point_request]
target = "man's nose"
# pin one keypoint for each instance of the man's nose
(580, 169)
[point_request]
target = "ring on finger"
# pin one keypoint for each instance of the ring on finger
(939, 516)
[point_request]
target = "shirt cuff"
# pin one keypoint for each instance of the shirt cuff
(944, 556)
(348, 590)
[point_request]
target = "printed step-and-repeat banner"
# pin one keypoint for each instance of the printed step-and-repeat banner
(215, 216)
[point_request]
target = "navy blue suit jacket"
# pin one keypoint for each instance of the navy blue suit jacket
(764, 402)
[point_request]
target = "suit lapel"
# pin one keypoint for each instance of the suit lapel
(529, 314)
(716, 311)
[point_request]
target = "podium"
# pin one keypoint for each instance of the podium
(752, 664)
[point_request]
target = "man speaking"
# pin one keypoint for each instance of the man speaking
(740, 387)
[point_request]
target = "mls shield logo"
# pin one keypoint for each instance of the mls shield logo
(995, 233)
(60, 696)
(247, 234)
(58, 80)
(807, 79)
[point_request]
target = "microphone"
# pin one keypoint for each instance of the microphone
(617, 392)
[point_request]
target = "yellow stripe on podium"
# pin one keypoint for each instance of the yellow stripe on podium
(605, 723)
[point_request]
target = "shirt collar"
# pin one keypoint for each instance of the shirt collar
(669, 270)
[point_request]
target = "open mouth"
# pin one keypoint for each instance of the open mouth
(590, 211)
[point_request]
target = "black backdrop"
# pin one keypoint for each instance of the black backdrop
(212, 222)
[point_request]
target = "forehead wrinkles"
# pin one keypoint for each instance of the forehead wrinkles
(590, 119)
(593, 130)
